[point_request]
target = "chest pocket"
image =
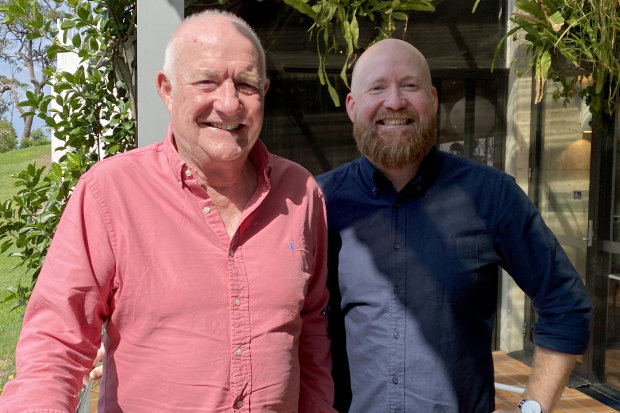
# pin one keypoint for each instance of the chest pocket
(469, 270)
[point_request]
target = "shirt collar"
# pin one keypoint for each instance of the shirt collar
(377, 182)
(259, 155)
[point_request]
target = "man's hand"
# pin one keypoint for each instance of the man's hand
(97, 371)
(509, 410)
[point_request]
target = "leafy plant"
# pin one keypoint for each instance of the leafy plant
(585, 32)
(27, 29)
(91, 110)
(37, 137)
(8, 136)
(337, 21)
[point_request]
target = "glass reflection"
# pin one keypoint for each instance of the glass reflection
(565, 175)
(612, 348)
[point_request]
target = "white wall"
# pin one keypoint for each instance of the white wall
(157, 19)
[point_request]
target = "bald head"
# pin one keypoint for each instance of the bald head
(210, 19)
(377, 56)
(393, 104)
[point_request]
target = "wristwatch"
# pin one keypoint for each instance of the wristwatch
(529, 406)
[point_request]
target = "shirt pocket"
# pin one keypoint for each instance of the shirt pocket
(469, 271)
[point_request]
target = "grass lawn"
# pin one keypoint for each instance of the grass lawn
(10, 321)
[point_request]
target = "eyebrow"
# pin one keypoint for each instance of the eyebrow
(252, 77)
(249, 76)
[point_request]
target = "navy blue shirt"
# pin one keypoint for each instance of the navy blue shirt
(414, 277)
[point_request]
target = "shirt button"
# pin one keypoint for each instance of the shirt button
(237, 301)
(396, 334)
(396, 290)
(239, 351)
(188, 172)
(231, 253)
(395, 380)
(206, 210)
(396, 245)
(239, 404)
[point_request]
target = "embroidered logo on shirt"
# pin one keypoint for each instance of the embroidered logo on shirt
(292, 246)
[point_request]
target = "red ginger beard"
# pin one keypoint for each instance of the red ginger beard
(399, 148)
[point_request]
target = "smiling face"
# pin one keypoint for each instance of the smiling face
(393, 105)
(216, 98)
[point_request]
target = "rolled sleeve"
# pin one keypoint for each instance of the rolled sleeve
(538, 264)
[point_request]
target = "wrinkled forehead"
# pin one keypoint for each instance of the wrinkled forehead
(220, 36)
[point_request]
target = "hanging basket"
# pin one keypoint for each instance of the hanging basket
(562, 65)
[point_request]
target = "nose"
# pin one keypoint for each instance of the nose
(394, 99)
(227, 98)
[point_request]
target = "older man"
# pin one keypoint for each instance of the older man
(203, 257)
(415, 240)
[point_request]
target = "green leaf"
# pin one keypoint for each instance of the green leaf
(557, 21)
(16, 10)
(76, 40)
(67, 24)
(355, 30)
(84, 13)
(333, 94)
(302, 7)
(400, 16)
(531, 7)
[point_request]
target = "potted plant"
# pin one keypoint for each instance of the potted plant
(575, 44)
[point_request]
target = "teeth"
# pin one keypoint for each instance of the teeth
(395, 122)
(225, 126)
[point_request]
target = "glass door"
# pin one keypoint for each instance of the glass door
(562, 181)
(611, 286)
(565, 176)
(577, 190)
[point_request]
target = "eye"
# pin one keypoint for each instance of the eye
(376, 89)
(206, 84)
(246, 88)
(410, 86)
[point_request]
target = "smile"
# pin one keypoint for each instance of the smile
(394, 122)
(224, 126)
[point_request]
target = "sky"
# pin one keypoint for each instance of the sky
(13, 114)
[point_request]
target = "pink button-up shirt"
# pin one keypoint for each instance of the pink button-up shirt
(195, 321)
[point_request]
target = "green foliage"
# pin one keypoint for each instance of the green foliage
(12, 163)
(37, 138)
(90, 110)
(28, 28)
(334, 19)
(583, 32)
(8, 136)
(29, 219)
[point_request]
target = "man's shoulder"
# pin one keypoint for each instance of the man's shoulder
(290, 176)
(330, 181)
(455, 168)
(134, 159)
(285, 166)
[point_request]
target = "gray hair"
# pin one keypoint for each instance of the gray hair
(171, 48)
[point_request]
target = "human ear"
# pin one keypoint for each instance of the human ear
(164, 88)
(350, 105)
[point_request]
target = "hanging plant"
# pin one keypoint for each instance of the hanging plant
(334, 19)
(583, 34)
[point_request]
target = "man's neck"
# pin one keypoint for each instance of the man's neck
(230, 190)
